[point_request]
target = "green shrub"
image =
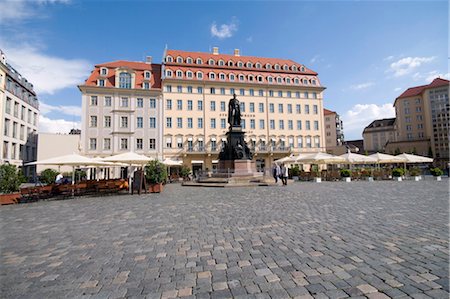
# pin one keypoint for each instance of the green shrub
(346, 173)
(414, 171)
(398, 172)
(295, 170)
(436, 171)
(365, 173)
(48, 176)
(185, 171)
(9, 179)
(155, 172)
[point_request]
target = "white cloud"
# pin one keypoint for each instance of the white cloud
(407, 65)
(362, 86)
(314, 59)
(398, 89)
(47, 73)
(67, 110)
(388, 58)
(361, 115)
(226, 30)
(19, 10)
(47, 125)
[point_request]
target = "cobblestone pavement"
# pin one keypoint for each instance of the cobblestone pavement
(329, 240)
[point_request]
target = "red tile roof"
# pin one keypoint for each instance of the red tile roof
(138, 67)
(328, 112)
(414, 91)
(244, 59)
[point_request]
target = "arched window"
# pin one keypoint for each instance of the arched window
(189, 60)
(179, 59)
(285, 67)
(212, 76)
(269, 79)
(296, 81)
(250, 78)
(199, 75)
(303, 69)
(222, 76)
(249, 64)
(260, 78)
(169, 59)
(313, 82)
(199, 61)
(168, 73)
(211, 62)
(232, 77)
(288, 80)
(189, 74)
(124, 80)
(179, 74)
(147, 75)
(103, 71)
(258, 65)
(305, 81)
(221, 62)
(294, 68)
(279, 80)
(241, 77)
(230, 63)
(268, 66)
(277, 66)
(240, 64)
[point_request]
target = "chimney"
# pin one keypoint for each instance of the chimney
(215, 50)
(236, 52)
(148, 59)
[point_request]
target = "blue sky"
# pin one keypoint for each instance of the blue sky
(366, 52)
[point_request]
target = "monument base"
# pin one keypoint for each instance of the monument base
(237, 167)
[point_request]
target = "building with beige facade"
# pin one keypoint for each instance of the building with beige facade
(122, 109)
(422, 125)
(334, 132)
(281, 105)
(378, 133)
(19, 114)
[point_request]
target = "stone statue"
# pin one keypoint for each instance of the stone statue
(234, 112)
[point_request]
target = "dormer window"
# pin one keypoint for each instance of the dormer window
(288, 80)
(302, 69)
(179, 74)
(296, 81)
(189, 74)
(101, 82)
(221, 62)
(240, 64)
(313, 82)
(179, 59)
(232, 77)
(277, 67)
(268, 66)
(230, 63)
(279, 80)
(241, 77)
(294, 68)
(199, 75)
(285, 67)
(212, 76)
(199, 61)
(124, 80)
(146, 85)
(260, 78)
(305, 81)
(211, 62)
(250, 78)
(249, 64)
(103, 71)
(168, 73)
(147, 75)
(258, 65)
(189, 60)
(222, 76)
(169, 59)
(269, 79)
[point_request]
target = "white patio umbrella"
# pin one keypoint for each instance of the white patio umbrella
(131, 159)
(170, 162)
(353, 158)
(320, 158)
(385, 158)
(409, 158)
(288, 159)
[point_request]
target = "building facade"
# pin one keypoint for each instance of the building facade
(422, 125)
(281, 105)
(122, 109)
(334, 129)
(378, 133)
(19, 112)
(67, 145)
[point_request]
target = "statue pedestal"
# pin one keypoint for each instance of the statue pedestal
(237, 167)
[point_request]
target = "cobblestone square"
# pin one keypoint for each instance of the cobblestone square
(305, 240)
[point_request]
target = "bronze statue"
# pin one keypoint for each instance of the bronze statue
(234, 112)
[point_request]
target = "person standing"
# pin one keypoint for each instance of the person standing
(284, 174)
(276, 172)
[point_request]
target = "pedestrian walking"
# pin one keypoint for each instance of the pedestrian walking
(284, 174)
(276, 172)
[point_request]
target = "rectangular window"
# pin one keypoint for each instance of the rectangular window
(139, 143)
(222, 106)
(22, 113)
(140, 102)
(308, 141)
(213, 105)
(124, 102)
(180, 142)
(200, 105)
(93, 123)
(242, 107)
(169, 88)
(251, 92)
(299, 124)
(252, 107)
(308, 125)
(261, 107)
(106, 144)
(169, 104)
(152, 122)
(315, 109)
(179, 105)
(261, 93)
(223, 123)
(306, 109)
(168, 122)
(280, 108)
(406, 110)
(92, 144)
(418, 109)
(300, 142)
(281, 124)
(139, 122)
(107, 121)
(212, 90)
(199, 89)
(8, 106)
(190, 123)
(271, 108)
(243, 123)
(152, 103)
(179, 89)
(289, 94)
(242, 92)
(213, 145)
(213, 123)
(280, 94)
(289, 108)
(290, 125)
(419, 126)
(124, 122)
(200, 123)
(152, 143)
(232, 91)
(108, 101)
(222, 90)
(179, 122)
(419, 117)
(408, 128)
(316, 125)
(314, 95)
(297, 94)
(14, 132)
(6, 128)
(123, 143)
(306, 95)
(189, 89)
(94, 101)
(407, 119)
(298, 109)
(252, 123)
(272, 124)
(189, 105)
(261, 124)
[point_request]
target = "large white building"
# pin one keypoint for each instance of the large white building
(19, 115)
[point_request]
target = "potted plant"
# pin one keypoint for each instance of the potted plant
(345, 174)
(185, 172)
(156, 175)
(315, 173)
(48, 176)
(437, 173)
(9, 184)
(397, 173)
(295, 172)
(366, 174)
(415, 173)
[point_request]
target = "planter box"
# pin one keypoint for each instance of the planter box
(347, 180)
(397, 178)
(156, 188)
(9, 199)
(417, 178)
(296, 178)
(438, 178)
(369, 178)
(317, 180)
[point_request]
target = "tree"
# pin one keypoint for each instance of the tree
(48, 176)
(9, 179)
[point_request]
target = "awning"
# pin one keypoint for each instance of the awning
(190, 139)
(200, 138)
(197, 162)
(213, 139)
(215, 161)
